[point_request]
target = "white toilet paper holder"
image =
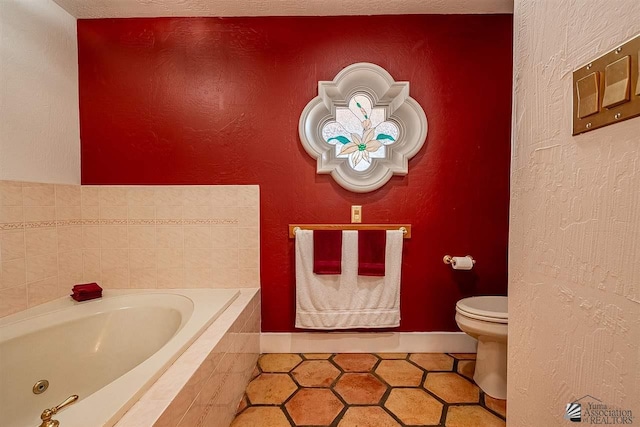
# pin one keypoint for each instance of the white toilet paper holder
(448, 259)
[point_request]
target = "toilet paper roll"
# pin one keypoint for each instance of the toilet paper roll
(462, 263)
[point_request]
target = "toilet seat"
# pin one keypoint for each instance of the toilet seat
(487, 308)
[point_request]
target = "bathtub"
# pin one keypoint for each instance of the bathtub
(107, 351)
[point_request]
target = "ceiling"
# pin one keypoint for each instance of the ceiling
(156, 8)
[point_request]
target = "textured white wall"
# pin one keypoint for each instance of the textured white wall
(574, 260)
(39, 124)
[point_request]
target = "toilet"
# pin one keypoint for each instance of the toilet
(485, 319)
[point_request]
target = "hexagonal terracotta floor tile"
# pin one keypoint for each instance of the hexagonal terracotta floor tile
(465, 416)
(500, 406)
(452, 387)
(398, 373)
(315, 373)
(354, 362)
(313, 406)
(369, 416)
(261, 416)
(270, 389)
(433, 361)
(392, 355)
(414, 406)
(464, 356)
(467, 368)
(278, 362)
(360, 389)
(317, 355)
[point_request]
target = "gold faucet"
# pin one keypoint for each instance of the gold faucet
(48, 413)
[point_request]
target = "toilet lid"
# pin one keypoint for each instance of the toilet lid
(490, 308)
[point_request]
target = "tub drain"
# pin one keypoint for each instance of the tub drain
(40, 387)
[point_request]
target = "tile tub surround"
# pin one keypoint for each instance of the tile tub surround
(54, 236)
(376, 390)
(205, 384)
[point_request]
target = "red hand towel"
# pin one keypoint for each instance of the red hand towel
(87, 287)
(327, 251)
(372, 246)
(86, 296)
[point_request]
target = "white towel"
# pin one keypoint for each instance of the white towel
(347, 300)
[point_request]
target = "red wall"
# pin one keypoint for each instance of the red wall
(217, 101)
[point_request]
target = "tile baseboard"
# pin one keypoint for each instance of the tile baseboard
(367, 342)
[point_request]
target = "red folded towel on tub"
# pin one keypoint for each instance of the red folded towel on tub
(86, 291)
(372, 245)
(327, 251)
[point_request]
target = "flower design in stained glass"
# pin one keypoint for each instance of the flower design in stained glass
(360, 132)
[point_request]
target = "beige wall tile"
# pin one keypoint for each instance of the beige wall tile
(249, 277)
(114, 236)
(249, 237)
(142, 212)
(198, 278)
(70, 267)
(224, 237)
(249, 217)
(91, 269)
(224, 195)
(69, 238)
(170, 236)
(142, 258)
(10, 193)
(11, 214)
(165, 212)
(225, 258)
(141, 196)
(14, 273)
(197, 195)
(249, 258)
(170, 257)
(39, 213)
(43, 291)
(111, 259)
(12, 245)
(224, 277)
(143, 278)
(229, 214)
(169, 196)
(197, 236)
(249, 196)
(197, 212)
(169, 278)
(68, 195)
(113, 212)
(195, 258)
(41, 267)
(117, 278)
(13, 300)
(90, 212)
(89, 195)
(90, 236)
(38, 194)
(112, 196)
(143, 236)
(41, 241)
(65, 213)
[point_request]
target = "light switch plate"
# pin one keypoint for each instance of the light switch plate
(356, 214)
(618, 97)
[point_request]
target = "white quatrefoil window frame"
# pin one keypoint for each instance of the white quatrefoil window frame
(363, 127)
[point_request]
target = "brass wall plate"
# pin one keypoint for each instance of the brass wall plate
(619, 91)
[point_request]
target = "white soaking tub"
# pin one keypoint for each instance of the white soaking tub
(107, 351)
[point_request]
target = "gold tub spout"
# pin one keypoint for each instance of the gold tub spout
(48, 413)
